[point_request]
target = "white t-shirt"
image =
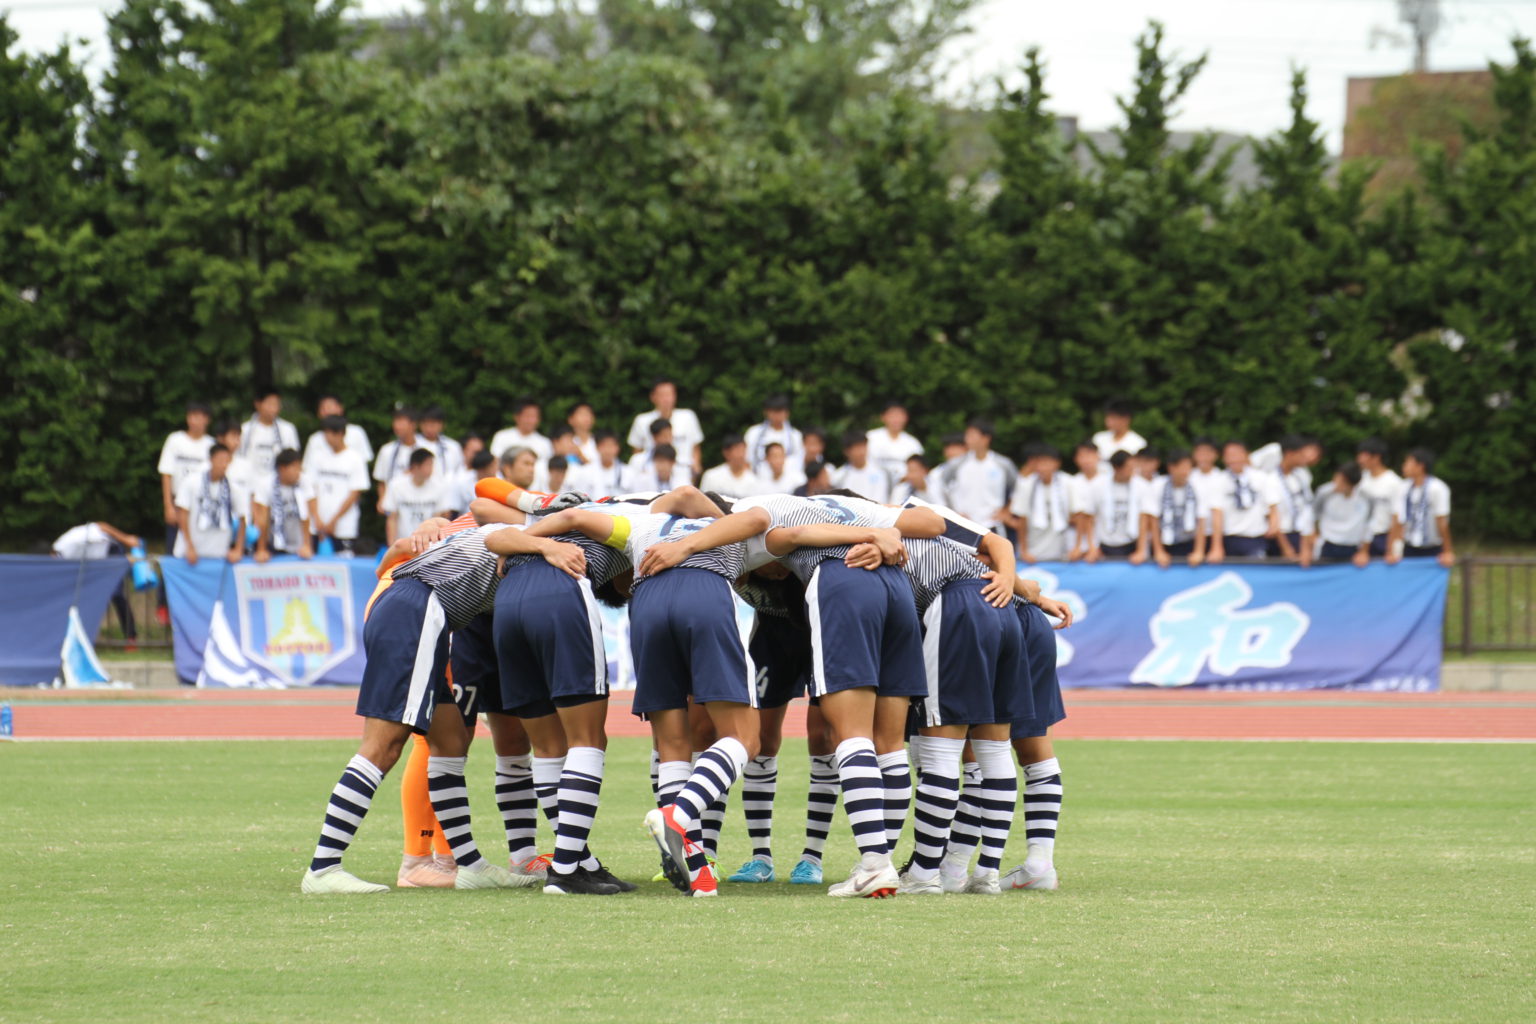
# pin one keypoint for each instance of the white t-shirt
(1178, 513)
(509, 438)
(1340, 518)
(686, 433)
(295, 517)
(872, 481)
(784, 483)
(760, 435)
(1419, 508)
(978, 488)
(1384, 492)
(182, 455)
(213, 509)
(1085, 490)
(1117, 509)
(891, 453)
(1209, 486)
(84, 542)
(449, 455)
(356, 439)
(1047, 507)
(598, 481)
(1108, 444)
(1296, 501)
(243, 475)
(331, 477)
(722, 480)
(1246, 499)
(395, 459)
(261, 442)
(413, 503)
(645, 479)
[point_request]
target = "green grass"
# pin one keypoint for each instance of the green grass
(1202, 882)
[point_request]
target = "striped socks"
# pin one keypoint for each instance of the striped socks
(896, 780)
(518, 805)
(344, 813)
(820, 804)
(759, 783)
(938, 797)
(965, 833)
(450, 802)
(713, 773)
(863, 794)
(581, 786)
(1042, 812)
(671, 777)
(999, 794)
(546, 786)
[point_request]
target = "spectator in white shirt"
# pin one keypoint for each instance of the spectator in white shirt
(687, 435)
(1175, 518)
(524, 432)
(890, 446)
(395, 456)
(1381, 487)
(1042, 507)
(482, 464)
(1270, 456)
(266, 433)
(953, 449)
(1117, 435)
(859, 474)
(414, 498)
(1114, 518)
(778, 476)
(280, 503)
(357, 437)
(664, 471)
(733, 478)
(606, 476)
(96, 541)
(1297, 454)
(1085, 483)
(563, 441)
(448, 454)
(978, 483)
(581, 419)
(775, 429)
(1147, 464)
(241, 473)
(640, 468)
(1248, 513)
(212, 523)
(1207, 477)
(1341, 521)
(818, 480)
(1421, 526)
(337, 480)
(185, 452)
(914, 483)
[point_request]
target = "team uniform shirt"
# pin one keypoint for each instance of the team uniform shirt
(759, 436)
(449, 454)
(1296, 501)
(356, 438)
(723, 480)
(1048, 509)
(891, 453)
(1419, 508)
(598, 480)
(1210, 486)
(978, 488)
(331, 477)
(83, 543)
(213, 508)
(933, 564)
(686, 433)
(461, 571)
(1108, 444)
(604, 562)
(1385, 493)
(506, 440)
(648, 530)
(394, 459)
(1245, 501)
(1117, 509)
(288, 508)
(414, 504)
(182, 455)
(784, 483)
(261, 442)
(872, 481)
(786, 510)
(1342, 519)
(1177, 512)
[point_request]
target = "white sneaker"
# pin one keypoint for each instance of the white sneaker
(532, 872)
(1027, 877)
(953, 875)
(920, 886)
(424, 873)
(874, 878)
(491, 876)
(335, 882)
(981, 884)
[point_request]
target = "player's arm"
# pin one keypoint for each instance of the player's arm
(785, 539)
(599, 526)
(568, 558)
(1029, 590)
(731, 529)
(687, 502)
(920, 523)
(489, 510)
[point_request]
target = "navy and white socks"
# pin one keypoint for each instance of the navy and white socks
(938, 797)
(759, 784)
(820, 805)
(863, 794)
(345, 811)
(1042, 813)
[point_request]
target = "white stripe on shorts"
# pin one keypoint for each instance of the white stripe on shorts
(599, 650)
(433, 621)
(813, 612)
(745, 627)
(932, 619)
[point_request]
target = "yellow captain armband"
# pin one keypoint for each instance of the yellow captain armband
(620, 535)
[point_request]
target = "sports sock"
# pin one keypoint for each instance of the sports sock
(759, 783)
(518, 805)
(671, 777)
(546, 786)
(999, 795)
(965, 833)
(655, 777)
(345, 811)
(711, 822)
(581, 786)
(1042, 810)
(863, 794)
(896, 780)
(420, 824)
(938, 796)
(713, 773)
(450, 802)
(820, 804)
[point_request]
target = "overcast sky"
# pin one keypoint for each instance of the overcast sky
(1088, 48)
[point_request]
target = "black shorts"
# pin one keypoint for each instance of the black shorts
(473, 675)
(1118, 550)
(781, 650)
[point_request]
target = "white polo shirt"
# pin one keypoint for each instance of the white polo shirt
(505, 440)
(872, 481)
(722, 480)
(686, 433)
(357, 440)
(261, 442)
(979, 488)
(1342, 518)
(414, 503)
(1117, 509)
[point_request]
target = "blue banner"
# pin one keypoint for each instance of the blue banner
(36, 593)
(1269, 627)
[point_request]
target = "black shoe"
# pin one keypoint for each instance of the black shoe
(602, 874)
(577, 883)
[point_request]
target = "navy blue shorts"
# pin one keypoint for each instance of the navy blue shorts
(1183, 549)
(1040, 652)
(473, 675)
(864, 631)
(688, 641)
(1272, 544)
(973, 657)
(405, 642)
(1379, 545)
(1118, 550)
(1245, 547)
(1332, 552)
(781, 650)
(1432, 551)
(549, 641)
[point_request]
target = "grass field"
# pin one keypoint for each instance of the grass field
(1201, 882)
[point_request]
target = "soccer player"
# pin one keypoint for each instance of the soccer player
(1421, 525)
(890, 446)
(266, 433)
(211, 512)
(1174, 515)
(1341, 521)
(412, 499)
(281, 506)
(1248, 512)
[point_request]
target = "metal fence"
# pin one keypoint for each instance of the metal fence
(1488, 606)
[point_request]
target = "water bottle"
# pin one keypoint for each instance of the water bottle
(325, 549)
(144, 576)
(7, 724)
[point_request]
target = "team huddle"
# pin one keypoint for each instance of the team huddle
(906, 626)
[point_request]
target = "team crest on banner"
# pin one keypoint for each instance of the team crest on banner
(297, 619)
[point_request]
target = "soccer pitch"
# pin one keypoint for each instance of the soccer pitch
(1200, 881)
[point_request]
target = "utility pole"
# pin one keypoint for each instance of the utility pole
(1423, 18)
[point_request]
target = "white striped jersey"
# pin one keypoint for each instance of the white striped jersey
(934, 564)
(789, 510)
(649, 530)
(603, 562)
(461, 571)
(767, 599)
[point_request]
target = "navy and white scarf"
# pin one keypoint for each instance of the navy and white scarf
(1417, 526)
(215, 505)
(1178, 519)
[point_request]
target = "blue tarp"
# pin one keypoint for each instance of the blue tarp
(36, 592)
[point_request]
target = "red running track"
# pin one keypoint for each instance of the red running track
(1097, 714)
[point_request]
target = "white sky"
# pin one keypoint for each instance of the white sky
(1089, 54)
